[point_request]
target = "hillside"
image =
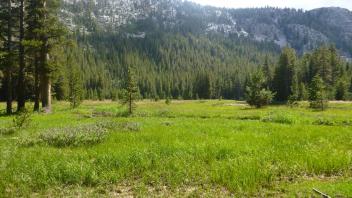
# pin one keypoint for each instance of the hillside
(177, 45)
(303, 30)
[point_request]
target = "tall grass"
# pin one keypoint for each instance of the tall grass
(228, 148)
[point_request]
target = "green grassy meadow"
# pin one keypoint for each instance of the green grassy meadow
(185, 149)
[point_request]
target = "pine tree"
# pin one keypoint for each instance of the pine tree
(21, 97)
(303, 93)
(75, 85)
(341, 89)
(45, 33)
(131, 92)
(317, 94)
(284, 74)
(294, 97)
(267, 72)
(8, 62)
(32, 44)
(256, 93)
(321, 65)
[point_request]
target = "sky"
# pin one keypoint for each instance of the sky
(304, 4)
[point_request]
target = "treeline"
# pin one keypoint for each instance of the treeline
(31, 42)
(318, 77)
(40, 59)
(293, 75)
(171, 65)
(187, 67)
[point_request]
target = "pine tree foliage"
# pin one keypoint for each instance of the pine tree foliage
(342, 89)
(131, 93)
(256, 93)
(168, 63)
(284, 74)
(75, 91)
(317, 94)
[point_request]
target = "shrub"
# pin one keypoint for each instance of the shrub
(168, 101)
(163, 113)
(7, 131)
(29, 141)
(317, 95)
(156, 98)
(168, 123)
(71, 136)
(346, 123)
(256, 94)
(89, 134)
(74, 136)
(131, 93)
(324, 122)
(130, 126)
(103, 114)
(327, 122)
(279, 118)
(22, 119)
(123, 114)
(292, 101)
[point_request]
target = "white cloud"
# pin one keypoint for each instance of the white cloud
(305, 4)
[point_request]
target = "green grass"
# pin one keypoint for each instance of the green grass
(188, 148)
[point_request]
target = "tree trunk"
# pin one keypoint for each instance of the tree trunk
(21, 72)
(8, 74)
(130, 104)
(46, 93)
(8, 91)
(45, 83)
(36, 85)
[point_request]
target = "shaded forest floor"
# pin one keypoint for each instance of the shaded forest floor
(188, 148)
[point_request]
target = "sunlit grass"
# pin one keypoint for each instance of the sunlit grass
(219, 148)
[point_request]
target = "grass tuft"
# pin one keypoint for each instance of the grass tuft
(8, 131)
(130, 126)
(279, 118)
(82, 135)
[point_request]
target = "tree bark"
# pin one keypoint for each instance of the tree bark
(45, 82)
(36, 85)
(46, 93)
(9, 91)
(21, 72)
(130, 103)
(8, 74)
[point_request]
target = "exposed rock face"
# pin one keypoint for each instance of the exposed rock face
(303, 30)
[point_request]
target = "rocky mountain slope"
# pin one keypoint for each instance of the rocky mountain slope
(303, 30)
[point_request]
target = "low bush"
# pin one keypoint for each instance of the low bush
(168, 101)
(74, 136)
(103, 114)
(164, 113)
(130, 126)
(279, 118)
(83, 135)
(248, 117)
(167, 123)
(327, 122)
(7, 131)
(324, 122)
(22, 119)
(346, 122)
(89, 134)
(30, 141)
(123, 114)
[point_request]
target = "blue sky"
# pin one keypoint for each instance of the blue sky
(305, 4)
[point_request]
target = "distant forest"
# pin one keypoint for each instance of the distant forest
(41, 59)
